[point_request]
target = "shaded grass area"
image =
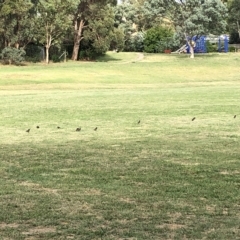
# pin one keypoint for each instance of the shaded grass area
(167, 177)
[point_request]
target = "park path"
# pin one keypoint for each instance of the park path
(139, 57)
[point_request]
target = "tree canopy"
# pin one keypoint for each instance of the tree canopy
(234, 16)
(91, 27)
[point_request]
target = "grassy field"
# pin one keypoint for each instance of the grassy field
(167, 177)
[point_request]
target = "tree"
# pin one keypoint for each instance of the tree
(100, 31)
(193, 18)
(126, 19)
(17, 22)
(155, 12)
(53, 21)
(234, 16)
(88, 15)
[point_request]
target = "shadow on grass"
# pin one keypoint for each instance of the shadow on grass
(108, 58)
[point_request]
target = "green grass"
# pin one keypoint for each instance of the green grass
(166, 178)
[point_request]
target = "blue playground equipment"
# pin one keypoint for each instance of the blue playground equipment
(223, 44)
(200, 44)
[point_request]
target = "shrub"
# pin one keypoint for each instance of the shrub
(211, 47)
(232, 49)
(157, 39)
(88, 54)
(135, 43)
(11, 55)
(55, 58)
(234, 37)
(33, 53)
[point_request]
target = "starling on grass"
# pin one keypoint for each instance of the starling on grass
(78, 129)
(28, 130)
(37, 127)
(58, 127)
(139, 122)
(95, 129)
(235, 116)
(193, 119)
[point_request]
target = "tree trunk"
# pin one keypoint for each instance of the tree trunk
(47, 54)
(191, 51)
(78, 29)
(17, 45)
(48, 43)
(238, 27)
(191, 45)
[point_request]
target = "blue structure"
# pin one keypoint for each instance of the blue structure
(200, 46)
(223, 44)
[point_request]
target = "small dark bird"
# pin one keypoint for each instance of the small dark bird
(95, 129)
(37, 127)
(139, 122)
(58, 127)
(28, 130)
(193, 119)
(78, 129)
(235, 116)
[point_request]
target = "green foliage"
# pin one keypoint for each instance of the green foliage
(234, 16)
(99, 33)
(135, 43)
(88, 54)
(55, 58)
(93, 24)
(125, 20)
(211, 47)
(234, 37)
(53, 22)
(33, 53)
(231, 49)
(154, 13)
(17, 22)
(14, 56)
(157, 39)
(117, 41)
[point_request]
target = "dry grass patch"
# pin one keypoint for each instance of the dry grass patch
(171, 226)
(40, 230)
(9, 225)
(38, 187)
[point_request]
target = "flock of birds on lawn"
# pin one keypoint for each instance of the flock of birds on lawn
(78, 129)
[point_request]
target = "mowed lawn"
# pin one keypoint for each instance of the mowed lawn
(163, 163)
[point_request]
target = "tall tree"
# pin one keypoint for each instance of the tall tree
(126, 19)
(193, 18)
(16, 21)
(53, 21)
(100, 31)
(85, 15)
(156, 12)
(234, 15)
